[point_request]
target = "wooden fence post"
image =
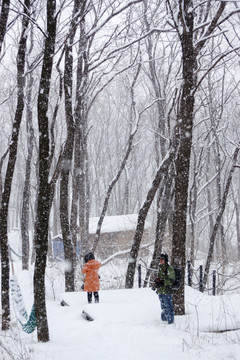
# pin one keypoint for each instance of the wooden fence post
(189, 273)
(201, 278)
(139, 275)
(214, 283)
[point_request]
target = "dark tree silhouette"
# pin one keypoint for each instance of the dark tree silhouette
(11, 166)
(3, 21)
(44, 186)
(185, 116)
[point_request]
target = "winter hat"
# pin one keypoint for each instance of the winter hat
(164, 257)
(89, 256)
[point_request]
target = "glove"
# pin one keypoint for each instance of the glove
(82, 287)
(158, 282)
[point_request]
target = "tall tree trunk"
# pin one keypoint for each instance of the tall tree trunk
(44, 187)
(83, 221)
(3, 21)
(1, 180)
(74, 211)
(184, 22)
(166, 195)
(67, 156)
(236, 206)
(185, 121)
(26, 190)
(81, 132)
(193, 198)
(35, 211)
(10, 169)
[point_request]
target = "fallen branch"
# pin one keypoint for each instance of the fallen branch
(123, 253)
(222, 331)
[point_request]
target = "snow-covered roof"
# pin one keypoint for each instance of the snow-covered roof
(115, 223)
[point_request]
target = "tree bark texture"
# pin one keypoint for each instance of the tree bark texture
(67, 156)
(164, 208)
(3, 21)
(27, 183)
(185, 122)
(10, 168)
(81, 132)
(44, 187)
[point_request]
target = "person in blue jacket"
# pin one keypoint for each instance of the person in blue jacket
(166, 277)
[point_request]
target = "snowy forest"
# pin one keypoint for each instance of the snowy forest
(118, 107)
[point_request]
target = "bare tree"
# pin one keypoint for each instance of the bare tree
(44, 187)
(25, 216)
(236, 206)
(92, 76)
(66, 162)
(160, 175)
(129, 148)
(27, 184)
(220, 214)
(184, 24)
(11, 166)
(3, 20)
(165, 193)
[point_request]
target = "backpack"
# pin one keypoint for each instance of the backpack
(178, 278)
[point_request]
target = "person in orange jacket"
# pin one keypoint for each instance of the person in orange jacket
(91, 282)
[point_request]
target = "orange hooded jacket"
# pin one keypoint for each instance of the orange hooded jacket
(91, 282)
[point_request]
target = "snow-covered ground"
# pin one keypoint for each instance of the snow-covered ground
(127, 326)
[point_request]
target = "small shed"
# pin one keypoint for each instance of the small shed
(117, 233)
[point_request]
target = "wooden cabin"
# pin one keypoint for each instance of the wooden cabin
(117, 233)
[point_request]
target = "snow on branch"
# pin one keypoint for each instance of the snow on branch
(109, 17)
